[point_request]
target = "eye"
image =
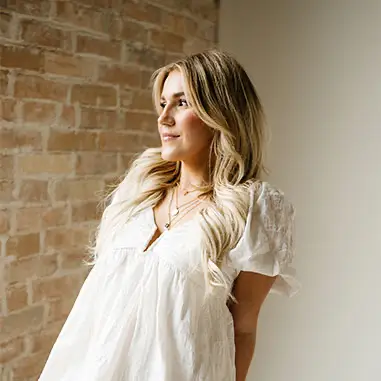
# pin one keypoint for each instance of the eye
(162, 104)
(183, 102)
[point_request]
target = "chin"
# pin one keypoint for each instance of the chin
(169, 157)
(170, 154)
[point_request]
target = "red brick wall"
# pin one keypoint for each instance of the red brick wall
(74, 106)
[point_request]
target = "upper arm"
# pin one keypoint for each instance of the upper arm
(264, 254)
(250, 291)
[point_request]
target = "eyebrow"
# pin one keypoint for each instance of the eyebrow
(175, 95)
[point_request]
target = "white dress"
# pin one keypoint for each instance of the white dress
(141, 316)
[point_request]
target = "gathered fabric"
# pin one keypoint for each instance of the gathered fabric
(142, 315)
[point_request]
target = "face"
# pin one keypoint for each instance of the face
(184, 136)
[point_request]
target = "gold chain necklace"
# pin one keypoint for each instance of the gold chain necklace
(186, 191)
(178, 207)
(176, 221)
(173, 215)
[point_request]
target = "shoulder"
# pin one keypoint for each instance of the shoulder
(118, 191)
(267, 244)
(267, 198)
(271, 218)
(265, 189)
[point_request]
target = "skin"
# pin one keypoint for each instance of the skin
(192, 149)
(250, 290)
(177, 117)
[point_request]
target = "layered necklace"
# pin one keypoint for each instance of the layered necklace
(180, 211)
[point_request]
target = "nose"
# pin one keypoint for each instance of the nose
(166, 117)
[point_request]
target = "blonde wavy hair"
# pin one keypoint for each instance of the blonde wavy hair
(224, 98)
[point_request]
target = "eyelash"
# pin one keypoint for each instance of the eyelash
(162, 104)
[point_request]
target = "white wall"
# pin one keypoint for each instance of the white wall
(317, 66)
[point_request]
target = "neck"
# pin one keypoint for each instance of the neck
(191, 177)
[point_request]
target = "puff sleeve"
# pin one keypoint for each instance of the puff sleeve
(267, 244)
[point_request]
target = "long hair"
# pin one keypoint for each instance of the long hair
(224, 98)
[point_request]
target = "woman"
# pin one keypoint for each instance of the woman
(190, 245)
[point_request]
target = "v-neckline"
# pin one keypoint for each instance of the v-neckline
(148, 247)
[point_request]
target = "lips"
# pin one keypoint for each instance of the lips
(168, 137)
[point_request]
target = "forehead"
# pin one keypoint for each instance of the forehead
(173, 85)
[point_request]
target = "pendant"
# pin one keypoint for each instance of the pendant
(167, 225)
(175, 212)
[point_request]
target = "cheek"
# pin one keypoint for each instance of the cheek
(195, 130)
(188, 119)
